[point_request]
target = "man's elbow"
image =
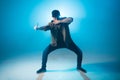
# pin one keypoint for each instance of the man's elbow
(70, 20)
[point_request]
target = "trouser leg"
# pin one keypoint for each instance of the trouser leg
(73, 47)
(45, 55)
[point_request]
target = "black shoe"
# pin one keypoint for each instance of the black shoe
(81, 69)
(41, 70)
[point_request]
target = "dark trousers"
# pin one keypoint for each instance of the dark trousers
(71, 47)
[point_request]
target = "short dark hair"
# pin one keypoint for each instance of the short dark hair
(55, 13)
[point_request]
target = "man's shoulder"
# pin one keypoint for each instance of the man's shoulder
(61, 18)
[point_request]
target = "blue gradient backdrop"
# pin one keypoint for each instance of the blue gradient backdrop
(96, 27)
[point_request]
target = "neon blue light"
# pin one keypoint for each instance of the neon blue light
(42, 12)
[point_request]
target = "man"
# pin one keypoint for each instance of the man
(60, 39)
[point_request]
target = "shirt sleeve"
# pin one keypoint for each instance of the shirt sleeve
(67, 20)
(45, 28)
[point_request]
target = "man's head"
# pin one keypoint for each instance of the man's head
(55, 13)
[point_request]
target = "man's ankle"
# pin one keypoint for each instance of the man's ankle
(41, 70)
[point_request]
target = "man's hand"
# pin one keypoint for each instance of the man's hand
(57, 21)
(35, 27)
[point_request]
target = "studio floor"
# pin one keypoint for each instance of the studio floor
(61, 66)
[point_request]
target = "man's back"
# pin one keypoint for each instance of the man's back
(60, 34)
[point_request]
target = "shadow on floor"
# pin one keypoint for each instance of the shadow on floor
(82, 74)
(107, 68)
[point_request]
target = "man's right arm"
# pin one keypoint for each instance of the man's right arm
(64, 20)
(67, 20)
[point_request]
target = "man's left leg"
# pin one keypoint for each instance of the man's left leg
(46, 52)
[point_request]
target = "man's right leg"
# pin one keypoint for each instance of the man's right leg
(45, 57)
(73, 47)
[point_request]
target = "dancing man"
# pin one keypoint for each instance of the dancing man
(61, 38)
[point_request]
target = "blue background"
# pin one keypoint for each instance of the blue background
(98, 31)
